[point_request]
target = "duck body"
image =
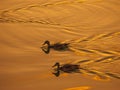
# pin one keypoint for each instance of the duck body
(68, 68)
(59, 46)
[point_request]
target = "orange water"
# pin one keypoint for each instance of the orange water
(92, 25)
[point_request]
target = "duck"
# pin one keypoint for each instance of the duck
(56, 46)
(68, 68)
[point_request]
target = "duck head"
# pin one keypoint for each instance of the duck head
(57, 64)
(56, 70)
(46, 47)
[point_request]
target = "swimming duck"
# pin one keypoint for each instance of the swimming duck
(68, 68)
(56, 46)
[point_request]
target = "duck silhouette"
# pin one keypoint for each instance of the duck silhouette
(67, 68)
(56, 46)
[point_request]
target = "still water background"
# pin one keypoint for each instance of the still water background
(93, 25)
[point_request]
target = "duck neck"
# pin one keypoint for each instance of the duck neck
(51, 46)
(58, 66)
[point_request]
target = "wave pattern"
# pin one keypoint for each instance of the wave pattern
(92, 27)
(78, 14)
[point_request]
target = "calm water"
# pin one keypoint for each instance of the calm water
(90, 26)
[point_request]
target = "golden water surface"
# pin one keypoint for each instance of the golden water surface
(91, 26)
